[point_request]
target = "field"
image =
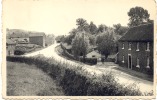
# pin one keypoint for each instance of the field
(27, 80)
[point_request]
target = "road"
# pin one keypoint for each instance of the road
(122, 78)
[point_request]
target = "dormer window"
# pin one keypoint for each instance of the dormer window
(147, 48)
(138, 63)
(137, 49)
(129, 46)
(123, 46)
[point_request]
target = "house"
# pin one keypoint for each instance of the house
(37, 38)
(135, 49)
(19, 37)
(10, 47)
(93, 54)
(67, 47)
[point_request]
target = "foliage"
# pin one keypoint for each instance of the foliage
(82, 24)
(138, 16)
(90, 61)
(119, 30)
(92, 39)
(92, 28)
(80, 44)
(102, 28)
(72, 33)
(60, 38)
(49, 39)
(76, 81)
(105, 42)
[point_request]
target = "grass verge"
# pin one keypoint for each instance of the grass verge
(28, 80)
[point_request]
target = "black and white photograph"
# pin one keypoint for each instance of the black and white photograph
(79, 49)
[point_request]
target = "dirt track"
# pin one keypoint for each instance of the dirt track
(123, 78)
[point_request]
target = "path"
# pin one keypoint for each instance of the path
(123, 78)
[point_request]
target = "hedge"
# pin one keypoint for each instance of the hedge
(75, 81)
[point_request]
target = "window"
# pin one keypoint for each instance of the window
(123, 46)
(123, 60)
(129, 46)
(137, 49)
(147, 48)
(148, 63)
(138, 63)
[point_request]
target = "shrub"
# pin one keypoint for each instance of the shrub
(91, 61)
(76, 81)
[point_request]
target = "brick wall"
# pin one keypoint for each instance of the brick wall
(142, 54)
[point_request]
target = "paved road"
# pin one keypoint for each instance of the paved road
(123, 78)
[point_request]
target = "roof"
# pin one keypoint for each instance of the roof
(36, 34)
(9, 41)
(66, 46)
(93, 53)
(139, 33)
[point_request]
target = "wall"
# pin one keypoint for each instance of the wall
(39, 40)
(141, 54)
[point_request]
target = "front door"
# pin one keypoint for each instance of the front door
(129, 62)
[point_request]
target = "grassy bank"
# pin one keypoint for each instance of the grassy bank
(27, 80)
(77, 82)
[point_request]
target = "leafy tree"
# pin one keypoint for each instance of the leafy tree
(119, 30)
(92, 28)
(72, 33)
(92, 39)
(105, 42)
(80, 44)
(138, 16)
(101, 28)
(82, 24)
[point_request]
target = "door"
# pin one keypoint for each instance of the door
(129, 62)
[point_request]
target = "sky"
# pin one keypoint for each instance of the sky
(59, 16)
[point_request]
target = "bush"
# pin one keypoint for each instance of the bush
(18, 52)
(91, 61)
(75, 81)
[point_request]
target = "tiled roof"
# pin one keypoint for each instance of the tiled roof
(140, 33)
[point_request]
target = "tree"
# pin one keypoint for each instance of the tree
(72, 33)
(138, 16)
(92, 28)
(80, 44)
(105, 42)
(119, 30)
(92, 39)
(101, 28)
(82, 25)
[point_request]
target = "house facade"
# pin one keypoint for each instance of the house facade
(37, 38)
(135, 49)
(10, 47)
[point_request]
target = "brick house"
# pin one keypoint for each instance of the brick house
(10, 47)
(37, 38)
(135, 49)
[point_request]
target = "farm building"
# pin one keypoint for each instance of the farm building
(135, 49)
(37, 38)
(10, 47)
(93, 54)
